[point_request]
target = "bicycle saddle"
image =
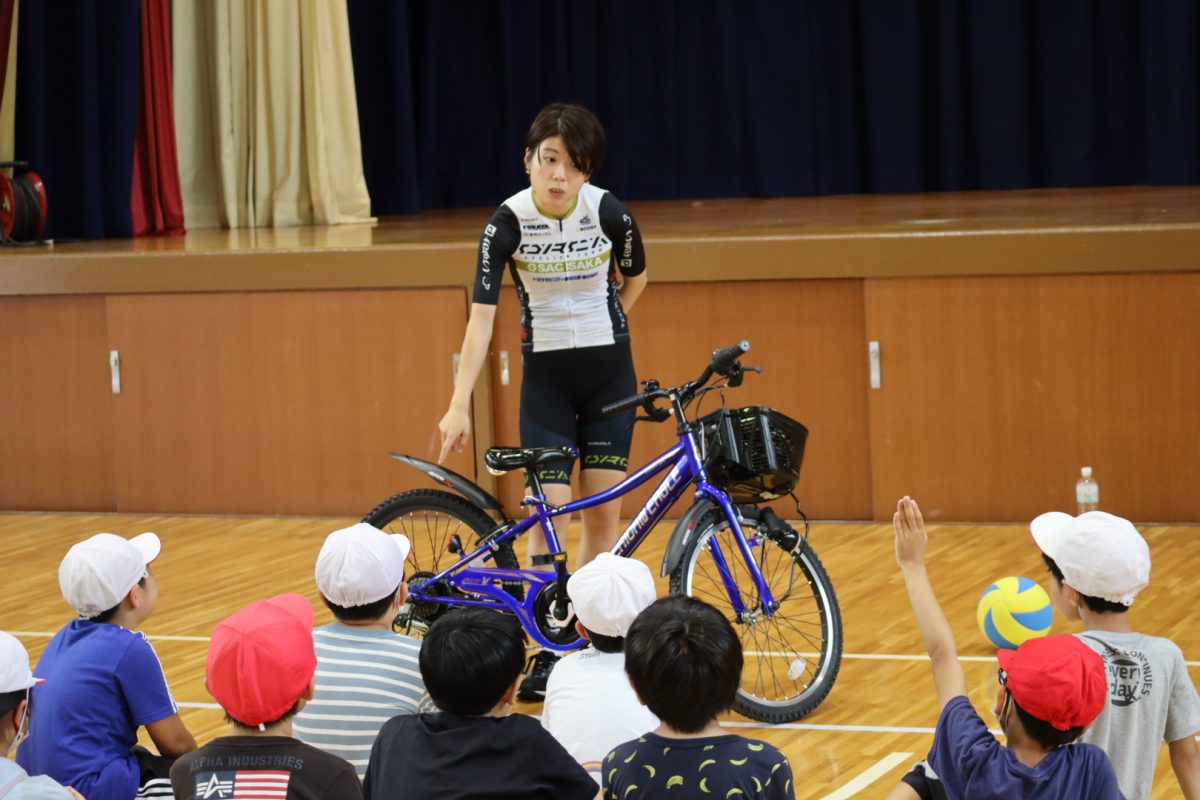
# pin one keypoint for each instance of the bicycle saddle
(506, 459)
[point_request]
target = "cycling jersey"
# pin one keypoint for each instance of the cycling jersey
(564, 269)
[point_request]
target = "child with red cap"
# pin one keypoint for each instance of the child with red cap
(1051, 689)
(260, 668)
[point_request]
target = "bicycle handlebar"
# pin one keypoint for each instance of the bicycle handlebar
(724, 362)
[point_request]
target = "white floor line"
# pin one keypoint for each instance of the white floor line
(155, 637)
(872, 774)
(161, 637)
(198, 705)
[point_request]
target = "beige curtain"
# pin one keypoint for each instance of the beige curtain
(8, 103)
(265, 113)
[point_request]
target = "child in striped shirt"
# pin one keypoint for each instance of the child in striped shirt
(366, 674)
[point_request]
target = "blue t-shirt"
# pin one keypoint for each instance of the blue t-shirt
(102, 683)
(971, 764)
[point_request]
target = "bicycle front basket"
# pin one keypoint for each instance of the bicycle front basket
(754, 453)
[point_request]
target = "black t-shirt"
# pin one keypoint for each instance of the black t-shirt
(711, 766)
(256, 766)
(445, 756)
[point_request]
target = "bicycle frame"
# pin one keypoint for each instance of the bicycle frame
(485, 586)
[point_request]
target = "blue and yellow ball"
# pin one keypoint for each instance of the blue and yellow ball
(1014, 610)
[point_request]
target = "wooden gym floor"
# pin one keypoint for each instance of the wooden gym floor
(876, 722)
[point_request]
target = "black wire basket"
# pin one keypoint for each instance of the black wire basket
(753, 453)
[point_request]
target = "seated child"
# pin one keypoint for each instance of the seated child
(1099, 563)
(369, 674)
(15, 683)
(1051, 689)
(474, 747)
(685, 662)
(260, 669)
(590, 706)
(103, 680)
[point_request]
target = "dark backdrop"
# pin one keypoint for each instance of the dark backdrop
(735, 98)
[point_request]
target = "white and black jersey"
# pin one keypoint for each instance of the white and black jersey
(564, 269)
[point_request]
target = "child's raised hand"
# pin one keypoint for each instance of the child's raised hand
(909, 527)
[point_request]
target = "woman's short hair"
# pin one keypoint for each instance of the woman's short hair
(581, 132)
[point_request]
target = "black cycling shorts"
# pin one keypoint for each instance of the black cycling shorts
(561, 397)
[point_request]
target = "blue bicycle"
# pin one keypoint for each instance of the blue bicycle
(724, 549)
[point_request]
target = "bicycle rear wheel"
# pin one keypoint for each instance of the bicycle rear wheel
(431, 519)
(792, 656)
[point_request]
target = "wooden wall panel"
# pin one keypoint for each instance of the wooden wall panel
(55, 405)
(996, 391)
(806, 335)
(279, 403)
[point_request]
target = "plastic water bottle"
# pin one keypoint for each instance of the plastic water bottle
(1087, 491)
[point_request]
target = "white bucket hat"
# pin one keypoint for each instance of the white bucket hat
(608, 592)
(360, 565)
(1099, 554)
(97, 573)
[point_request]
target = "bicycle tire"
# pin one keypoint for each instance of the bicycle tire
(429, 517)
(808, 622)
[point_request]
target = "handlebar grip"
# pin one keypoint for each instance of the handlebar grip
(724, 358)
(617, 407)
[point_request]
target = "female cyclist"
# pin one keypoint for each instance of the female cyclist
(576, 257)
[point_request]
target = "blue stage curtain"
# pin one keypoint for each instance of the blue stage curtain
(745, 98)
(78, 81)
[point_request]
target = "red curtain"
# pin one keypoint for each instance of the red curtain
(6, 16)
(156, 200)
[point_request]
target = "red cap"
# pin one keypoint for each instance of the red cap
(261, 659)
(1057, 679)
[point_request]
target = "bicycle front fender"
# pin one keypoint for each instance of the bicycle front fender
(684, 530)
(452, 480)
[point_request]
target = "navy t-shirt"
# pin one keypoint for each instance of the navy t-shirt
(654, 766)
(449, 757)
(102, 683)
(972, 764)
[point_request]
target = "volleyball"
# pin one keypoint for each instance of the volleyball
(1013, 610)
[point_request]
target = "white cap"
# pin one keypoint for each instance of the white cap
(14, 665)
(97, 573)
(609, 591)
(361, 564)
(1100, 555)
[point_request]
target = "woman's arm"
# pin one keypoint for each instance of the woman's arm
(631, 289)
(455, 426)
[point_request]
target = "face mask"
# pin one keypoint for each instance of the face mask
(22, 725)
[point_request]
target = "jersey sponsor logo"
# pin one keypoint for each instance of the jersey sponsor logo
(243, 785)
(559, 267)
(485, 256)
(539, 227)
(549, 248)
(627, 251)
(585, 220)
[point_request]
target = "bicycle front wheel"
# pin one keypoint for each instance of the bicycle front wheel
(434, 521)
(792, 656)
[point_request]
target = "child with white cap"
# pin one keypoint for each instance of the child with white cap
(368, 673)
(590, 706)
(104, 680)
(15, 682)
(1099, 563)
